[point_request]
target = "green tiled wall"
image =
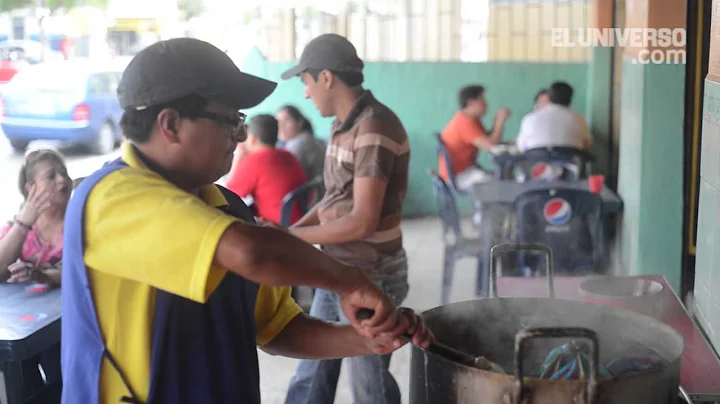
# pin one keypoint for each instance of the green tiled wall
(707, 264)
(651, 169)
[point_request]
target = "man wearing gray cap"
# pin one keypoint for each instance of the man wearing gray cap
(358, 220)
(168, 285)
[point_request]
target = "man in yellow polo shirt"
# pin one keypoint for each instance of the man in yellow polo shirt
(167, 286)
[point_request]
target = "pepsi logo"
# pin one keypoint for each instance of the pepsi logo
(545, 172)
(540, 171)
(557, 211)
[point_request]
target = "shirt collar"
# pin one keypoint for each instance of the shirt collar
(366, 98)
(210, 194)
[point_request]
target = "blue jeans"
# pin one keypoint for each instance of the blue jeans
(315, 382)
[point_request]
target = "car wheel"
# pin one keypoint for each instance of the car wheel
(104, 142)
(19, 146)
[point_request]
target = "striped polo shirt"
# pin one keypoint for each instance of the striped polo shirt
(353, 153)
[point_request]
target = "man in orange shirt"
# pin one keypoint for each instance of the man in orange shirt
(465, 134)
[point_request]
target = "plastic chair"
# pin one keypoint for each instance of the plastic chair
(568, 221)
(457, 246)
(304, 196)
(443, 154)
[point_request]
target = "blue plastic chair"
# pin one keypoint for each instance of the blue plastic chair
(568, 221)
(443, 154)
(304, 196)
(457, 246)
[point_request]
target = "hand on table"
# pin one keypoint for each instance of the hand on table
(21, 272)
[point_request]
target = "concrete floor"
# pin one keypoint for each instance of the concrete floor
(423, 243)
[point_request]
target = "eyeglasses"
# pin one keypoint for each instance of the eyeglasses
(238, 123)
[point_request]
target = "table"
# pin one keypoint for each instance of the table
(507, 157)
(29, 325)
(700, 366)
(505, 192)
(493, 203)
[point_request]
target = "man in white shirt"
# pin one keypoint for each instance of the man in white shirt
(556, 124)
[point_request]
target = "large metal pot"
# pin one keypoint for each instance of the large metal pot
(518, 333)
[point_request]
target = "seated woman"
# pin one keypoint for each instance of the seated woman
(296, 134)
(31, 244)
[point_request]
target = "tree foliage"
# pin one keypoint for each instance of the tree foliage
(9, 5)
(191, 8)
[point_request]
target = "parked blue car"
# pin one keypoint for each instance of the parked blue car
(71, 101)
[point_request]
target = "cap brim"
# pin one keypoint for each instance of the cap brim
(244, 92)
(295, 71)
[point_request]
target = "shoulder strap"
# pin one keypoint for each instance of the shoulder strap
(236, 207)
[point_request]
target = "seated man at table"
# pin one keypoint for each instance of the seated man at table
(555, 125)
(465, 134)
(265, 172)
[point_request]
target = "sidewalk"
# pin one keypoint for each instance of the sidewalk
(423, 243)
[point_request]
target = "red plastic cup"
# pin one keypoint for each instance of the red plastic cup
(596, 183)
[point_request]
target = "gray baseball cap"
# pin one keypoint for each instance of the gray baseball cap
(327, 52)
(169, 70)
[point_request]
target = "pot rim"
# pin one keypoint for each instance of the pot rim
(622, 313)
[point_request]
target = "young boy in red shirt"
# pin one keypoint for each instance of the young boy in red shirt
(265, 172)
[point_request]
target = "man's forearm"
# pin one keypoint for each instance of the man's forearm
(497, 131)
(310, 219)
(310, 338)
(277, 258)
(342, 230)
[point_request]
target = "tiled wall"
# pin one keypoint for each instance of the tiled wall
(707, 264)
(650, 172)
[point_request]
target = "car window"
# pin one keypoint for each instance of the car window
(99, 84)
(114, 82)
(51, 80)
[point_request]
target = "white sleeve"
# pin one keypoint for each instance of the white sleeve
(524, 134)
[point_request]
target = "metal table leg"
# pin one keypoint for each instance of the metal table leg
(491, 231)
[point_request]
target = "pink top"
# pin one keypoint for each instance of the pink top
(35, 252)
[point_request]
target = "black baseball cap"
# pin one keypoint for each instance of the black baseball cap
(327, 52)
(169, 70)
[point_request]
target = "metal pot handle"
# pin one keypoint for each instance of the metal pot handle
(522, 337)
(505, 248)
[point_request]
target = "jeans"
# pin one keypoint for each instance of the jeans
(315, 381)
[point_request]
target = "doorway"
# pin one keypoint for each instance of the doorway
(698, 50)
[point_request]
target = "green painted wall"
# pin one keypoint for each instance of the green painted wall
(651, 169)
(424, 97)
(707, 261)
